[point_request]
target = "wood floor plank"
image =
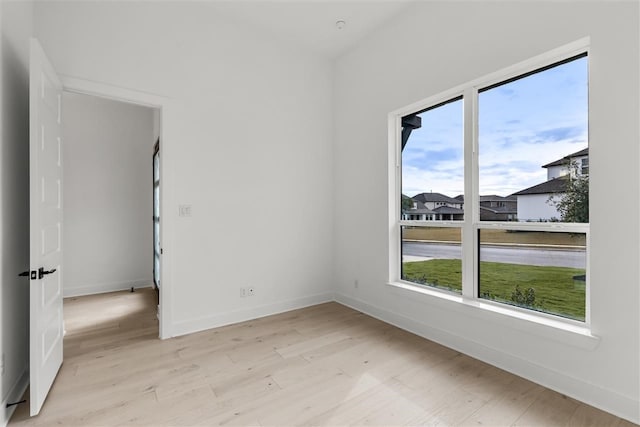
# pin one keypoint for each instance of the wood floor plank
(321, 365)
(351, 410)
(588, 416)
(549, 409)
(293, 375)
(507, 406)
(310, 344)
(309, 405)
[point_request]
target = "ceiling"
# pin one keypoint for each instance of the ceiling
(311, 24)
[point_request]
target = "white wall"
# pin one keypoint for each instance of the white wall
(556, 171)
(561, 170)
(108, 195)
(16, 24)
(247, 142)
(535, 207)
(437, 46)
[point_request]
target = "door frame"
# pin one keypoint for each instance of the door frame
(156, 152)
(116, 93)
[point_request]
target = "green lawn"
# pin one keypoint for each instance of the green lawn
(556, 291)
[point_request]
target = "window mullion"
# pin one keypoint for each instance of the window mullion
(470, 194)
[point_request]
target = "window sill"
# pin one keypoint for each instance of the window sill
(565, 332)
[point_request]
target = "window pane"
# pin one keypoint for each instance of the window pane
(432, 256)
(156, 266)
(541, 271)
(156, 234)
(156, 168)
(156, 200)
(432, 164)
(533, 146)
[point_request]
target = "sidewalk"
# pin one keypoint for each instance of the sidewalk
(498, 244)
(413, 258)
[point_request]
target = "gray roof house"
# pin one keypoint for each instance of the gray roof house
(434, 207)
(434, 200)
(561, 167)
(496, 208)
(553, 186)
(535, 203)
(418, 212)
(448, 213)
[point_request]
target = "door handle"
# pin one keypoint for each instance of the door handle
(42, 272)
(28, 273)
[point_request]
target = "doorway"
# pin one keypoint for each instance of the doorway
(111, 200)
(160, 105)
(46, 193)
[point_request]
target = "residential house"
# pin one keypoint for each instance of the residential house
(536, 203)
(496, 208)
(435, 206)
(419, 212)
(439, 207)
(577, 162)
(433, 200)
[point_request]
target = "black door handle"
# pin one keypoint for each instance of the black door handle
(42, 272)
(29, 273)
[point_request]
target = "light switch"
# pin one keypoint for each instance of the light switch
(184, 210)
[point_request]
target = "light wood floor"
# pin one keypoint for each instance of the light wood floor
(322, 365)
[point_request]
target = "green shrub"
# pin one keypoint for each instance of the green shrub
(526, 298)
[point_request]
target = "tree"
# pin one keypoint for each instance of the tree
(573, 204)
(407, 203)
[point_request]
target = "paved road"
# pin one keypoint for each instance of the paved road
(510, 255)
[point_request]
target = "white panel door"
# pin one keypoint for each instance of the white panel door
(45, 175)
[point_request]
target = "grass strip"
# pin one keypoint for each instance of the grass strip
(555, 290)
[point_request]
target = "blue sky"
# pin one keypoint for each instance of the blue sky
(522, 126)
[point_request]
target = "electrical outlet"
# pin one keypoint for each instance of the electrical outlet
(251, 291)
(356, 284)
(243, 292)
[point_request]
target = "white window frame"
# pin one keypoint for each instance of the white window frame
(471, 223)
(584, 164)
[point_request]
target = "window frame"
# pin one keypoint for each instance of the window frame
(471, 223)
(584, 166)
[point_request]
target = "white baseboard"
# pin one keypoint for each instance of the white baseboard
(230, 317)
(14, 395)
(591, 394)
(101, 288)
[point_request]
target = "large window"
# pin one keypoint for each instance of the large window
(533, 142)
(433, 191)
(492, 187)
